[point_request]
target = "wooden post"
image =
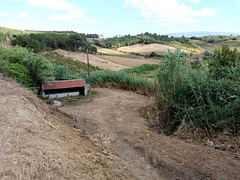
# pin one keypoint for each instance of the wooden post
(89, 79)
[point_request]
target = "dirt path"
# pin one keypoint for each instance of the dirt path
(114, 117)
(108, 62)
(38, 142)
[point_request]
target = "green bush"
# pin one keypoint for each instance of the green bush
(225, 57)
(19, 73)
(40, 41)
(196, 98)
(60, 72)
(141, 68)
(38, 66)
(3, 67)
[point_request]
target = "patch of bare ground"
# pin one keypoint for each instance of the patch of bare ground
(108, 62)
(39, 142)
(114, 115)
(110, 51)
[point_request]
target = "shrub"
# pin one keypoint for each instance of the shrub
(196, 97)
(19, 73)
(60, 72)
(141, 68)
(225, 57)
(3, 67)
(38, 66)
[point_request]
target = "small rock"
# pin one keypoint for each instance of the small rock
(56, 103)
(148, 167)
(210, 144)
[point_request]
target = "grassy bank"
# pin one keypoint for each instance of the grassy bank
(198, 97)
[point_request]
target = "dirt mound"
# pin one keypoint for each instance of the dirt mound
(38, 142)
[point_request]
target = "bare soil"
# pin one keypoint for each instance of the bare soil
(114, 116)
(39, 142)
(108, 62)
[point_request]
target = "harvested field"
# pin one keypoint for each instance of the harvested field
(147, 49)
(110, 51)
(39, 142)
(108, 62)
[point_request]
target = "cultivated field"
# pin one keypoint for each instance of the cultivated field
(109, 62)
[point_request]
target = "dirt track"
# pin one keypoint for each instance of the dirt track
(114, 116)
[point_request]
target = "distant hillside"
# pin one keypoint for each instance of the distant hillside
(201, 34)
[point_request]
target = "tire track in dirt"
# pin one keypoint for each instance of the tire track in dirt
(113, 116)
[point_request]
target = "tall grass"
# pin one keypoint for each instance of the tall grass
(121, 80)
(196, 98)
(117, 79)
(141, 68)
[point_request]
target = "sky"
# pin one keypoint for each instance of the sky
(122, 17)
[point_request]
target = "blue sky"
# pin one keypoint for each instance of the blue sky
(120, 17)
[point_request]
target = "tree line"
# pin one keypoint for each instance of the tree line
(146, 38)
(216, 39)
(53, 40)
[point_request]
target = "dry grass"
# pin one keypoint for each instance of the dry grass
(147, 49)
(39, 142)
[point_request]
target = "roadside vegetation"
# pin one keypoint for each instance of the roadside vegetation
(206, 97)
(33, 69)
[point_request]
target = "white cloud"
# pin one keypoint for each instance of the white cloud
(89, 21)
(24, 15)
(194, 1)
(74, 15)
(4, 14)
(50, 4)
(167, 12)
(70, 14)
(36, 15)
